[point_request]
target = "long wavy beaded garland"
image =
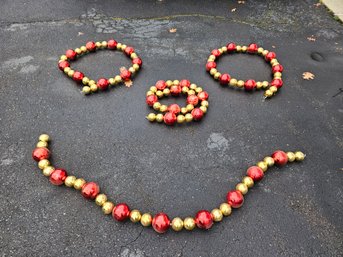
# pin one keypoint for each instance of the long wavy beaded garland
(160, 222)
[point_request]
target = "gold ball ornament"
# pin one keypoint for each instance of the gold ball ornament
(189, 223)
(273, 89)
(269, 160)
(243, 188)
(248, 181)
(163, 108)
(100, 199)
(78, 184)
(240, 83)
(69, 181)
(265, 84)
(268, 93)
(169, 83)
(225, 208)
(151, 117)
(93, 87)
(48, 170)
(146, 219)
(42, 144)
(44, 138)
(112, 81)
(213, 71)
(85, 80)
(159, 117)
(263, 165)
(43, 164)
(217, 215)
(135, 216)
(180, 118)
(156, 106)
(166, 91)
(188, 117)
(107, 207)
(203, 108)
(233, 82)
(299, 156)
(177, 224)
(217, 75)
(290, 156)
(190, 107)
(86, 90)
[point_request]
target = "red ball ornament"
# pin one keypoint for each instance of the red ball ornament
(121, 212)
(185, 83)
(235, 198)
(215, 52)
(90, 190)
(57, 177)
(160, 85)
(255, 172)
(40, 153)
(175, 90)
(71, 54)
(231, 47)
(249, 85)
(192, 99)
(129, 50)
(125, 75)
(160, 222)
(151, 99)
(203, 95)
(112, 44)
(63, 64)
(280, 158)
(224, 79)
(197, 114)
(91, 46)
(210, 65)
(169, 118)
(174, 108)
(252, 48)
(137, 61)
(277, 68)
(270, 56)
(78, 76)
(102, 84)
(277, 83)
(203, 219)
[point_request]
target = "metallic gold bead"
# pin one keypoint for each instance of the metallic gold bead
(104, 44)
(163, 108)
(248, 181)
(132, 70)
(83, 49)
(185, 90)
(273, 61)
(149, 93)
(265, 84)
(85, 80)
(169, 83)
(123, 47)
(220, 50)
(69, 181)
(133, 55)
(211, 59)
(273, 89)
(224, 49)
(63, 58)
(91, 82)
(240, 83)
(258, 85)
(233, 82)
(42, 144)
(189, 223)
(44, 138)
(203, 108)
(260, 50)
(100, 199)
(136, 66)
(159, 94)
(213, 71)
(86, 90)
(107, 207)
(184, 110)
(159, 117)
(151, 117)
(119, 46)
(112, 81)
(204, 103)
(48, 170)
(156, 106)
(198, 90)
(225, 208)
(118, 79)
(176, 82)
(98, 44)
(180, 118)
(277, 75)
(78, 184)
(242, 188)
(43, 164)
(263, 165)
(71, 73)
(299, 156)
(265, 52)
(217, 75)
(66, 70)
(193, 86)
(190, 107)
(78, 50)
(166, 91)
(244, 48)
(146, 219)
(135, 216)
(191, 92)
(269, 160)
(153, 89)
(177, 224)
(93, 87)
(217, 215)
(290, 156)
(238, 48)
(212, 56)
(268, 93)
(188, 117)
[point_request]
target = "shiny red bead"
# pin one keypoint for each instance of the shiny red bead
(224, 79)
(192, 99)
(185, 83)
(270, 56)
(57, 177)
(90, 190)
(174, 108)
(280, 158)
(71, 54)
(129, 50)
(175, 90)
(112, 44)
(255, 172)
(203, 219)
(249, 85)
(103, 84)
(63, 64)
(197, 114)
(203, 95)
(40, 153)
(277, 83)
(121, 212)
(169, 118)
(215, 52)
(160, 222)
(210, 65)
(78, 76)
(235, 198)
(231, 47)
(277, 68)
(125, 75)
(252, 48)
(91, 46)
(137, 61)
(151, 99)
(160, 85)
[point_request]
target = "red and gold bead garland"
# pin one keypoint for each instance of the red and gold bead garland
(90, 86)
(160, 222)
(174, 113)
(250, 84)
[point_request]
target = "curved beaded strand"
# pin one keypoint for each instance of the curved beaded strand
(160, 222)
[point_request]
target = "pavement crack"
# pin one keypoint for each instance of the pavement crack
(131, 242)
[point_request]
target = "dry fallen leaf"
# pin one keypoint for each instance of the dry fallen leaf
(173, 30)
(80, 33)
(233, 10)
(128, 83)
(308, 75)
(241, 2)
(311, 38)
(273, 46)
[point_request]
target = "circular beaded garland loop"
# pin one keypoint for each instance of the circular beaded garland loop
(250, 84)
(197, 102)
(89, 85)
(160, 222)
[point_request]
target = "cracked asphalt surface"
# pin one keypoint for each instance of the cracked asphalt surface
(294, 211)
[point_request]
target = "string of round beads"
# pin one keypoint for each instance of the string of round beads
(250, 84)
(197, 102)
(161, 222)
(90, 85)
